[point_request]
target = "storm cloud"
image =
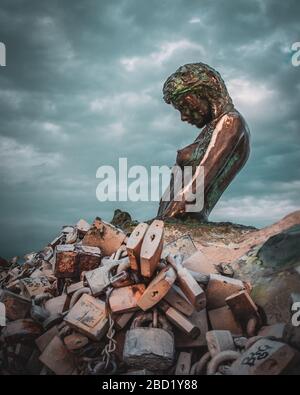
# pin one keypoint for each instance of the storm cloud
(82, 88)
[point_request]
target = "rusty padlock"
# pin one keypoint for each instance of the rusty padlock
(105, 236)
(89, 258)
(149, 347)
(66, 261)
(17, 307)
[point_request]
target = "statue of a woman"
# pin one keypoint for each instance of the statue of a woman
(221, 148)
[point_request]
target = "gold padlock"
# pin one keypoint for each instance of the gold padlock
(152, 248)
(158, 288)
(126, 299)
(134, 245)
(187, 283)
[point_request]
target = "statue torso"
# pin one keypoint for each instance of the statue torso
(192, 154)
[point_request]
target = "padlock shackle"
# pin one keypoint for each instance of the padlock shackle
(143, 318)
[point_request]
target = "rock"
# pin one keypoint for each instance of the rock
(281, 249)
(121, 219)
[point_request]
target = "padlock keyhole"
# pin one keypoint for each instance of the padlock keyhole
(152, 237)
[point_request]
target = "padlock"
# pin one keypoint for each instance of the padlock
(126, 299)
(74, 287)
(2, 314)
(121, 320)
(291, 335)
(158, 288)
(38, 313)
(134, 245)
(223, 319)
(66, 264)
(184, 363)
(242, 305)
(88, 316)
(140, 372)
(187, 283)
(46, 254)
(179, 320)
(99, 279)
(37, 273)
(43, 340)
(121, 279)
(34, 286)
(54, 319)
(57, 305)
(89, 258)
(58, 240)
(75, 341)
(265, 357)
(72, 237)
(200, 263)
(57, 358)
(294, 302)
(218, 341)
(273, 331)
(105, 236)
(243, 308)
(149, 347)
(177, 299)
(14, 286)
(17, 307)
(152, 248)
(199, 319)
(24, 330)
(219, 288)
(83, 227)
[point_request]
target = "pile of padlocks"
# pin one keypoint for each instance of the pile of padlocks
(99, 301)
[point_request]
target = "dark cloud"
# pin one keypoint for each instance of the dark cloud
(82, 87)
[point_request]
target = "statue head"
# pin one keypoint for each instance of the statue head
(198, 92)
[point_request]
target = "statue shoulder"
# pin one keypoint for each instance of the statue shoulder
(234, 122)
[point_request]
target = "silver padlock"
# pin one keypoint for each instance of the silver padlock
(149, 347)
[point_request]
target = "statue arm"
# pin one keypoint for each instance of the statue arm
(226, 136)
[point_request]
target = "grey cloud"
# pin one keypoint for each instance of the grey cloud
(82, 87)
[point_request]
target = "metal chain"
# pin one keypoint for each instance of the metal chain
(110, 347)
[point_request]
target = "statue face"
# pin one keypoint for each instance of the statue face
(193, 109)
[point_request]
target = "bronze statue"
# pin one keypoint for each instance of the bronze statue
(199, 93)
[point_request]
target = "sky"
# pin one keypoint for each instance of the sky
(82, 87)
